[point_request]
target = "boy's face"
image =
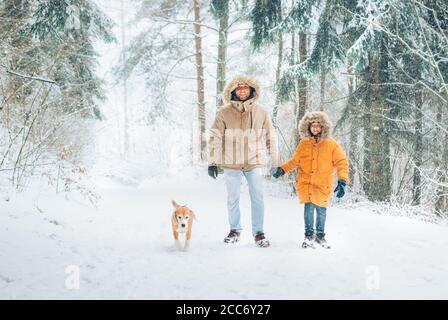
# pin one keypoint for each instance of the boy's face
(315, 128)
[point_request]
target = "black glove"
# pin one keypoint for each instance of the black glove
(340, 189)
(213, 171)
(277, 172)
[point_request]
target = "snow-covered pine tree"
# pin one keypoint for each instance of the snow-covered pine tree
(433, 30)
(400, 41)
(49, 63)
(369, 56)
(70, 27)
(265, 17)
(271, 20)
(294, 82)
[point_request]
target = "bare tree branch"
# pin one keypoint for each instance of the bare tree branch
(26, 76)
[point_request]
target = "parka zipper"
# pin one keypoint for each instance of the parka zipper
(251, 121)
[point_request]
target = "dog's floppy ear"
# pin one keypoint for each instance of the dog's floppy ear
(173, 218)
(174, 203)
(193, 215)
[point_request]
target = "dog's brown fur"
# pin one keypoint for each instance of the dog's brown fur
(182, 214)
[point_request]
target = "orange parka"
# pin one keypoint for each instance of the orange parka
(316, 160)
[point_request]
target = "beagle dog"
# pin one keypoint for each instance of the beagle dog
(182, 222)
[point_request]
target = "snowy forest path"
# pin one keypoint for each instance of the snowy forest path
(125, 249)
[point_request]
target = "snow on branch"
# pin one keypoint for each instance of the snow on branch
(28, 77)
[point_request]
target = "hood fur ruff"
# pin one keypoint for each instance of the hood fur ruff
(227, 94)
(316, 116)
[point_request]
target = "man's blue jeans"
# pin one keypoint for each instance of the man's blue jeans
(320, 219)
(255, 181)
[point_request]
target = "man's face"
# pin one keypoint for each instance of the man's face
(242, 91)
(315, 128)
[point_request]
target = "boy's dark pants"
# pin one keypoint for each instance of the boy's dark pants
(320, 220)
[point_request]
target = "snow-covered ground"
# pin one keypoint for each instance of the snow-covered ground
(124, 248)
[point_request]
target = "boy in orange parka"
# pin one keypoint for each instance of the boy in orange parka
(316, 157)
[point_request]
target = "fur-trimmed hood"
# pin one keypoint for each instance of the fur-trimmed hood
(231, 86)
(316, 116)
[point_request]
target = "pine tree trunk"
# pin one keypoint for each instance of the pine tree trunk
(302, 86)
(200, 79)
(296, 94)
(322, 88)
(222, 55)
(377, 156)
(418, 147)
(366, 170)
(353, 159)
(441, 205)
(277, 76)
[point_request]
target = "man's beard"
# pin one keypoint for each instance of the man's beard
(242, 99)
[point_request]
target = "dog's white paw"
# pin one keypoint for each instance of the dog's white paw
(177, 245)
(187, 245)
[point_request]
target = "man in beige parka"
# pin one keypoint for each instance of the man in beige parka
(242, 142)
